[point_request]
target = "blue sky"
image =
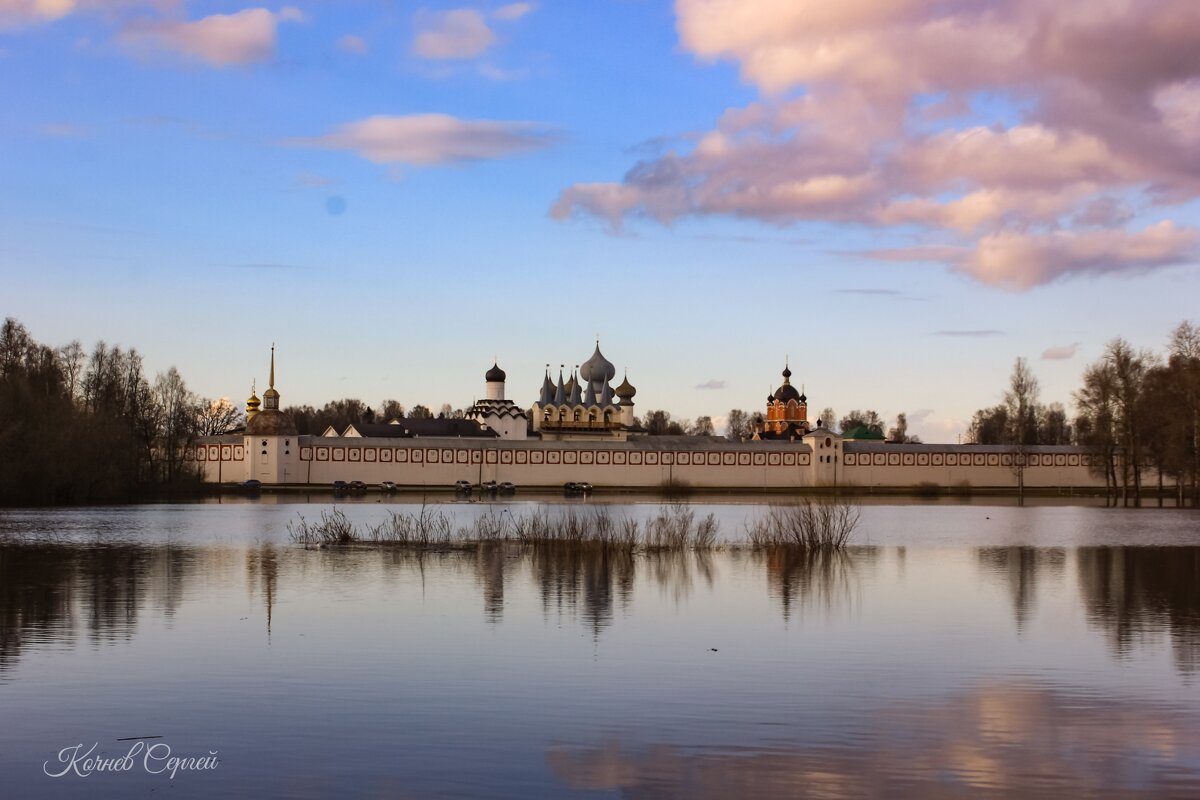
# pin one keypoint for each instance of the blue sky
(395, 193)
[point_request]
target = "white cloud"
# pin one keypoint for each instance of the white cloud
(711, 384)
(426, 139)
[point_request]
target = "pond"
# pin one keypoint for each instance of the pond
(952, 650)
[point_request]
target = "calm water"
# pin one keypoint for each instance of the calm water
(954, 651)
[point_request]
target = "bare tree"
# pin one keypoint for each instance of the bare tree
(989, 426)
(392, 409)
(862, 419)
(71, 357)
(1185, 341)
(703, 426)
(1021, 402)
(656, 423)
(1096, 426)
(215, 417)
(1129, 368)
(828, 418)
(176, 411)
(738, 426)
(1053, 427)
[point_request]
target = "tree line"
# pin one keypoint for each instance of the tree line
(80, 427)
(341, 414)
(1136, 411)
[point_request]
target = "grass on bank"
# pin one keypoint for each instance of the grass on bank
(822, 523)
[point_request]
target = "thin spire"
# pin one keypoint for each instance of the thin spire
(272, 365)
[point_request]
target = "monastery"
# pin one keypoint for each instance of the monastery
(582, 428)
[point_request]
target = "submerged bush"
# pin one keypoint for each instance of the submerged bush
(674, 528)
(334, 528)
(824, 523)
(425, 528)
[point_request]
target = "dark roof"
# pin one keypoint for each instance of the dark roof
(271, 423)
(448, 427)
(408, 428)
(380, 430)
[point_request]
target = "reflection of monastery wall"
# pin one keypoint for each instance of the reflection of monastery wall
(647, 463)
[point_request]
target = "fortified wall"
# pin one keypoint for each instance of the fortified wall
(819, 459)
(583, 429)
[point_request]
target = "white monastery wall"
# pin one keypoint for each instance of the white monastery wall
(645, 463)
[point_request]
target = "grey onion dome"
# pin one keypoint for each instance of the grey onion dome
(787, 392)
(625, 390)
(597, 368)
(495, 374)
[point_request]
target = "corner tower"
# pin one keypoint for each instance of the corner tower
(271, 440)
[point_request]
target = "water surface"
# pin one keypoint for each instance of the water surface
(955, 650)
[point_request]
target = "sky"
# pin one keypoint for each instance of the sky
(896, 197)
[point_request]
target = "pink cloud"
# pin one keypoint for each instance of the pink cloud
(512, 11)
(17, 12)
(245, 37)
(21, 13)
(1060, 353)
(459, 34)
(428, 139)
(1106, 95)
(352, 44)
(1016, 260)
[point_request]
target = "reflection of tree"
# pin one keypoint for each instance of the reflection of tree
(490, 561)
(674, 570)
(998, 740)
(1138, 593)
(600, 574)
(821, 577)
(52, 592)
(1020, 569)
(262, 568)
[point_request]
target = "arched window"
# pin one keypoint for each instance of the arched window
(578, 416)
